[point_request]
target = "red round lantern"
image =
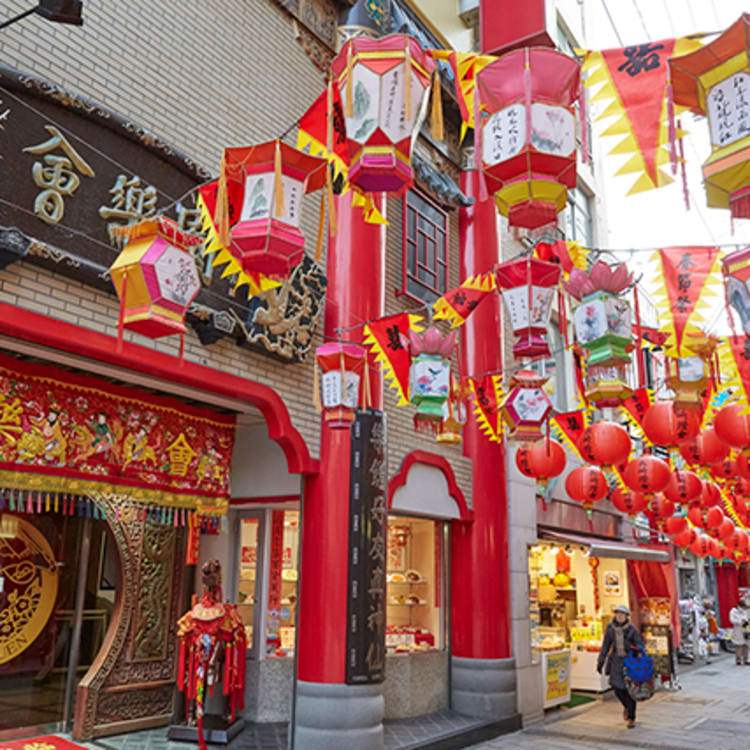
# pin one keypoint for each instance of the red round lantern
(701, 546)
(647, 474)
(710, 495)
(586, 485)
(604, 444)
(683, 486)
(724, 469)
(675, 525)
(697, 516)
(659, 509)
(714, 518)
(685, 537)
(741, 466)
(733, 427)
(737, 541)
(714, 549)
(668, 426)
(628, 501)
(705, 450)
(541, 460)
(726, 529)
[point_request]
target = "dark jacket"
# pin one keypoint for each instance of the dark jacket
(615, 665)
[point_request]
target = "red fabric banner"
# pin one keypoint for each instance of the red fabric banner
(727, 585)
(386, 337)
(639, 74)
(65, 433)
(571, 424)
(637, 405)
(685, 272)
(656, 579)
(741, 352)
(487, 404)
(314, 123)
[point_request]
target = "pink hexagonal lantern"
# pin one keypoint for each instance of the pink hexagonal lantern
(155, 277)
(383, 115)
(526, 407)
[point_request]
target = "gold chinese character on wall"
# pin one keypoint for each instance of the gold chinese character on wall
(55, 175)
(130, 202)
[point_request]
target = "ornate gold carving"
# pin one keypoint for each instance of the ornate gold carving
(152, 611)
(43, 250)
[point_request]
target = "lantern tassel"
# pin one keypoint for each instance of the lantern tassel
(342, 371)
(407, 81)
(278, 183)
(367, 392)
(641, 364)
(121, 318)
(329, 147)
(672, 130)
(436, 113)
(349, 97)
(321, 228)
(222, 204)
(316, 389)
(482, 192)
(583, 124)
(683, 172)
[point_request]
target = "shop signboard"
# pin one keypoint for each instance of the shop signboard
(556, 669)
(365, 635)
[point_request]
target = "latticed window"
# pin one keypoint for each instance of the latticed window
(425, 274)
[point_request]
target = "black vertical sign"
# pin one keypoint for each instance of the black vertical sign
(365, 634)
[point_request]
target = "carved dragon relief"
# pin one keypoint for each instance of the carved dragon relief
(157, 552)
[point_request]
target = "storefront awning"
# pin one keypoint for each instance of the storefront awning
(611, 549)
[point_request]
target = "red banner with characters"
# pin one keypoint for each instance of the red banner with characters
(685, 271)
(66, 433)
(388, 341)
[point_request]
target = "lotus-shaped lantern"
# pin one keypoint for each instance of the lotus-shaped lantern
(600, 278)
(429, 381)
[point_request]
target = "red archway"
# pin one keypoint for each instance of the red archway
(439, 462)
(56, 334)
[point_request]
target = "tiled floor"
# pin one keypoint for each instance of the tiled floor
(400, 734)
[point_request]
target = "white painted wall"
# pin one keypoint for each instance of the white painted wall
(425, 493)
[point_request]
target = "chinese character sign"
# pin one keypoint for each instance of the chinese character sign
(729, 109)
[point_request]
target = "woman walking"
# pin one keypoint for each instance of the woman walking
(621, 635)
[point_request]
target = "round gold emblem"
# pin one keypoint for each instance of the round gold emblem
(28, 585)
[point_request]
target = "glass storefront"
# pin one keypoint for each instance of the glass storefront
(416, 607)
(40, 572)
(268, 554)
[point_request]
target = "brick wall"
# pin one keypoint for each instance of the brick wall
(201, 76)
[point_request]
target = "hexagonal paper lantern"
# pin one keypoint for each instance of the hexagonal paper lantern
(526, 407)
(155, 277)
(527, 286)
(528, 142)
(342, 366)
(714, 81)
(382, 114)
(265, 237)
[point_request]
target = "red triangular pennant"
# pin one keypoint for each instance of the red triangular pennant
(571, 424)
(486, 402)
(637, 405)
(639, 74)
(384, 337)
(314, 123)
(685, 272)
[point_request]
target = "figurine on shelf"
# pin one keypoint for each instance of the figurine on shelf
(211, 635)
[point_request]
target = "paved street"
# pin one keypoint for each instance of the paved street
(711, 711)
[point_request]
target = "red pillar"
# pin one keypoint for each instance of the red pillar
(355, 294)
(480, 591)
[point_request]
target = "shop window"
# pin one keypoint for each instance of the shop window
(578, 223)
(269, 577)
(425, 259)
(282, 583)
(416, 606)
(571, 600)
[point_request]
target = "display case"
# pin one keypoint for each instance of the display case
(414, 597)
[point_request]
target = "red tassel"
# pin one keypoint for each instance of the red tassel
(583, 124)
(121, 319)
(227, 667)
(672, 130)
(478, 140)
(639, 336)
(182, 350)
(29, 504)
(181, 667)
(683, 173)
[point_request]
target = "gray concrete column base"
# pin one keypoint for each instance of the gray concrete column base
(484, 688)
(331, 716)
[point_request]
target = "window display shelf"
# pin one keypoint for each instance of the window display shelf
(407, 604)
(407, 583)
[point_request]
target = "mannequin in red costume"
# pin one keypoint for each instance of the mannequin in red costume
(211, 634)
